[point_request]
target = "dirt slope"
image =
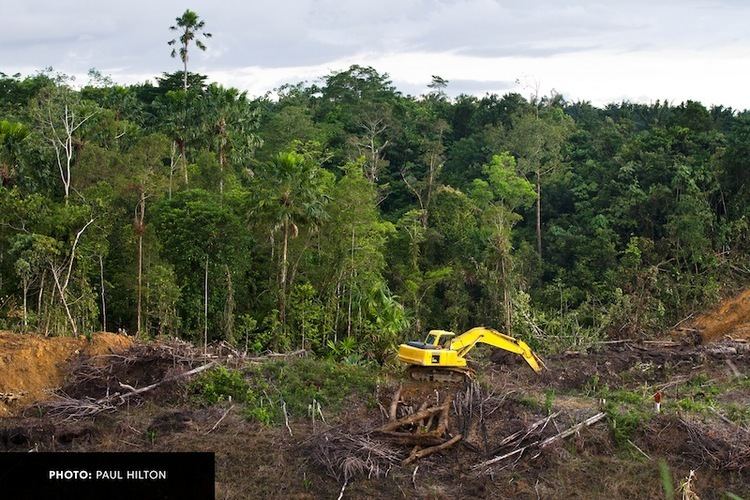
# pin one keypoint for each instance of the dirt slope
(730, 318)
(32, 365)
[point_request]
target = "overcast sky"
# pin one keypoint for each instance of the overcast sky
(599, 50)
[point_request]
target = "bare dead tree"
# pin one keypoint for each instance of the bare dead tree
(370, 144)
(62, 284)
(61, 121)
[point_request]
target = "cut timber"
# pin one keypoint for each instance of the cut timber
(523, 433)
(589, 421)
(542, 444)
(415, 417)
(417, 453)
(409, 438)
(157, 384)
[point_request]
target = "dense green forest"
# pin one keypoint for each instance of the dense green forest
(343, 216)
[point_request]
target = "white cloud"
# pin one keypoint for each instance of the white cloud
(601, 50)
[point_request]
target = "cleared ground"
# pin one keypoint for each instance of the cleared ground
(703, 426)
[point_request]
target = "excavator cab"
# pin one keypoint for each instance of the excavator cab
(436, 339)
(433, 359)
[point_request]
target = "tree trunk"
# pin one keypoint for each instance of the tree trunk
(25, 293)
(39, 299)
(64, 301)
(140, 228)
(205, 308)
(172, 166)
(351, 289)
(229, 308)
(222, 132)
(183, 154)
(104, 301)
(506, 298)
(184, 73)
(282, 284)
(539, 212)
(48, 318)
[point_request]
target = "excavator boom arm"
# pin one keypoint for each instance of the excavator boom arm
(469, 339)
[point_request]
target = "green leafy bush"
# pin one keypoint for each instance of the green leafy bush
(220, 384)
(263, 390)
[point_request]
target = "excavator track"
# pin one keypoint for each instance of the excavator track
(451, 375)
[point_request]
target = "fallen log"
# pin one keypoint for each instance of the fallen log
(428, 439)
(300, 353)
(540, 444)
(417, 453)
(443, 418)
(194, 371)
(523, 433)
(589, 421)
(423, 407)
(414, 417)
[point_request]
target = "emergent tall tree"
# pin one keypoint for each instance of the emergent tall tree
(189, 25)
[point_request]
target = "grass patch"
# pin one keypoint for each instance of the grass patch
(264, 390)
(739, 414)
(220, 384)
(624, 423)
(530, 402)
(299, 382)
(626, 412)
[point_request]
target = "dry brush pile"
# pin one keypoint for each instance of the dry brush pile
(104, 383)
(413, 429)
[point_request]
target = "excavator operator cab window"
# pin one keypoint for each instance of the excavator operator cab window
(438, 341)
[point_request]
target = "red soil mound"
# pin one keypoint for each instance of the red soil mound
(730, 318)
(32, 365)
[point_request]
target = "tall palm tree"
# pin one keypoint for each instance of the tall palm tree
(189, 25)
(230, 121)
(292, 191)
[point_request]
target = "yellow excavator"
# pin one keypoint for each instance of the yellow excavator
(442, 356)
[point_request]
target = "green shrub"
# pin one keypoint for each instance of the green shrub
(624, 423)
(626, 412)
(549, 400)
(298, 383)
(220, 384)
(738, 413)
(266, 388)
(265, 415)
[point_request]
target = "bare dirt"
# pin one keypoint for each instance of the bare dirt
(31, 366)
(729, 319)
